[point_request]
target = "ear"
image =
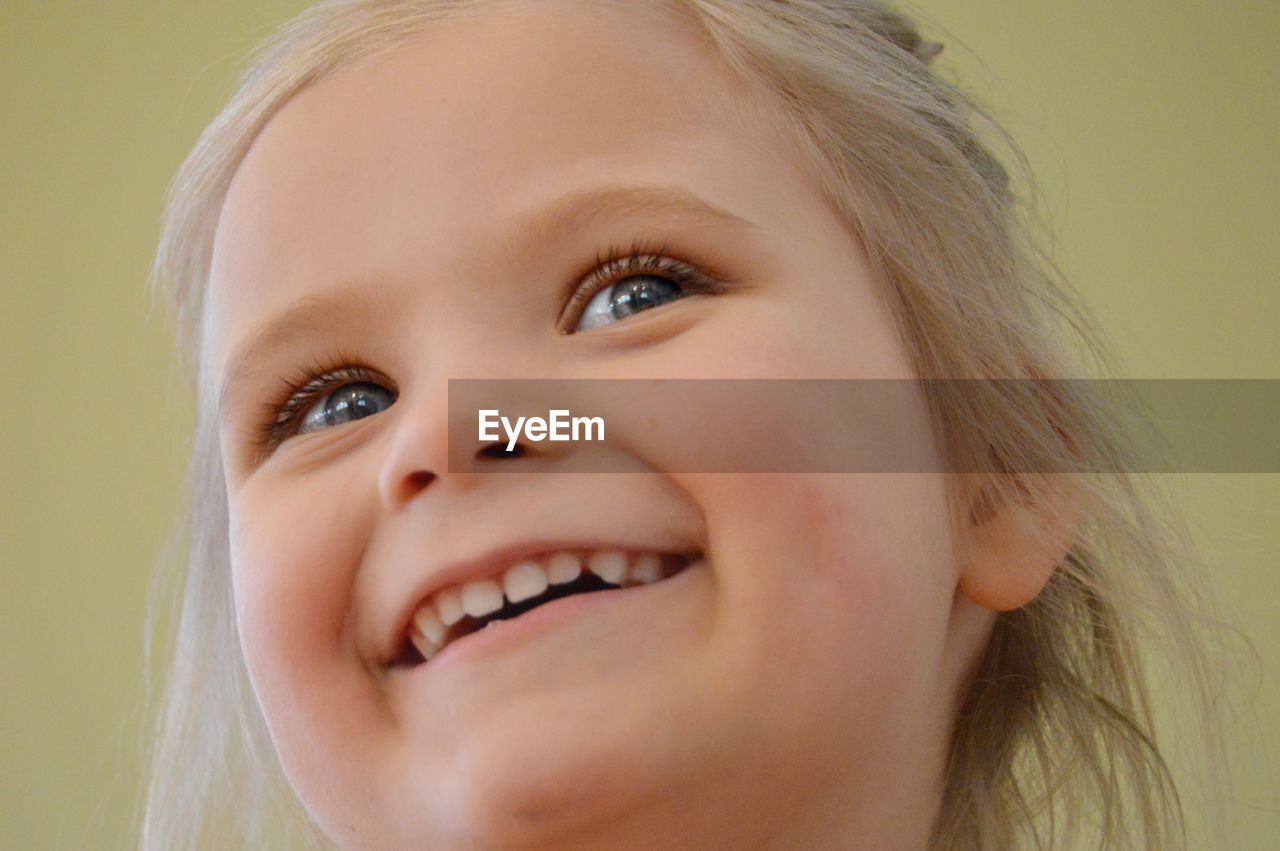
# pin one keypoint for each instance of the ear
(1012, 548)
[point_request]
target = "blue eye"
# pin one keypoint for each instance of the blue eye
(625, 284)
(346, 404)
(323, 395)
(627, 297)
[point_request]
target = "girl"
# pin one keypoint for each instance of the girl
(408, 191)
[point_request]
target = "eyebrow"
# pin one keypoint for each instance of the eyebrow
(573, 211)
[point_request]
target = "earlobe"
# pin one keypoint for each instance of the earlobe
(1012, 549)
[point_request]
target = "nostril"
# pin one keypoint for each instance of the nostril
(499, 450)
(419, 479)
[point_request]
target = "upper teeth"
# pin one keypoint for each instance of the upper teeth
(522, 581)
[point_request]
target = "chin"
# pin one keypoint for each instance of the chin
(535, 782)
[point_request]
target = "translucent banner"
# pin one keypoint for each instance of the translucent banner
(861, 425)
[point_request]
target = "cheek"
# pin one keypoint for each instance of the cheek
(837, 590)
(879, 566)
(286, 579)
(867, 546)
(295, 553)
(294, 557)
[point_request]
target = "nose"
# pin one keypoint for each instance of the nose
(421, 455)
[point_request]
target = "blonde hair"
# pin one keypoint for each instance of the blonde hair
(1055, 736)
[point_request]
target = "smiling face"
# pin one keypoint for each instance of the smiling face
(449, 202)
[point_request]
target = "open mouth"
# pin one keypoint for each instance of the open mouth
(459, 610)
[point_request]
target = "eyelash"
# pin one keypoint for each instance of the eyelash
(301, 389)
(619, 263)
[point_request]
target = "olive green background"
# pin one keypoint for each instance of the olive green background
(1154, 126)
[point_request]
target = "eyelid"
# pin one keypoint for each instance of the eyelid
(642, 257)
(281, 413)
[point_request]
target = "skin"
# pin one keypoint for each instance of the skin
(797, 691)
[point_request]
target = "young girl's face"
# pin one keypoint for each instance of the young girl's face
(796, 684)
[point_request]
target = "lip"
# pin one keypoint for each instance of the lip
(506, 635)
(490, 564)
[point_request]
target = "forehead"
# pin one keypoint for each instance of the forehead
(416, 166)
